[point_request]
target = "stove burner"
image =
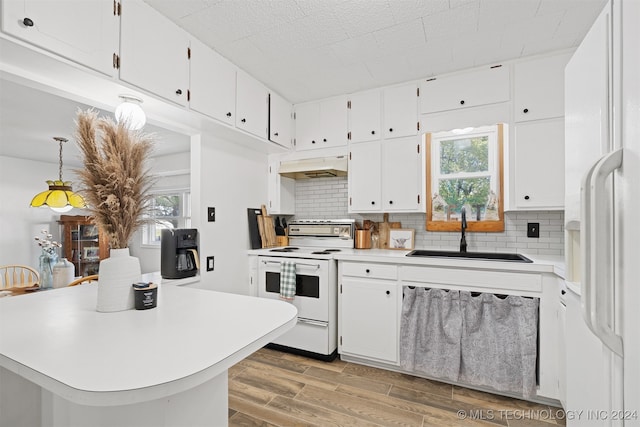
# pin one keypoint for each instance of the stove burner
(325, 252)
(332, 250)
(285, 249)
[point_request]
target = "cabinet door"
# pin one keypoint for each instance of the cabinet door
(83, 31)
(279, 120)
(479, 87)
(364, 116)
(539, 164)
(402, 167)
(539, 88)
(369, 318)
(333, 122)
(400, 111)
(252, 103)
(282, 192)
(213, 83)
(153, 52)
(364, 177)
(307, 120)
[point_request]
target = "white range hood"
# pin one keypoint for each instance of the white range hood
(321, 167)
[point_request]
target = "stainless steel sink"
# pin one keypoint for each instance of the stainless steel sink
(482, 256)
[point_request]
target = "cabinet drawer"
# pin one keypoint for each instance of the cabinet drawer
(479, 87)
(378, 271)
(485, 279)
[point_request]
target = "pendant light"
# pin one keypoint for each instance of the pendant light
(59, 197)
(131, 112)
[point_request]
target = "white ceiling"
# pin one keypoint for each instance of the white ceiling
(312, 49)
(30, 118)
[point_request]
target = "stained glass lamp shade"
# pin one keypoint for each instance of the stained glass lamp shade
(60, 196)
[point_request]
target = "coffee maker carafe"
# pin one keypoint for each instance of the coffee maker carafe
(179, 253)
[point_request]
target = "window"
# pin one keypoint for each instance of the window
(167, 210)
(466, 170)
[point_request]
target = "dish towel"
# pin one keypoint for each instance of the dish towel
(287, 280)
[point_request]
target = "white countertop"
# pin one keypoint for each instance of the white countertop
(59, 341)
(540, 264)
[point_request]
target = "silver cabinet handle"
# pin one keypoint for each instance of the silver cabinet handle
(313, 322)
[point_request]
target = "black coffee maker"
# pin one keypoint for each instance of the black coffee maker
(179, 253)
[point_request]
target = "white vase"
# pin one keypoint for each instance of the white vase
(63, 273)
(117, 274)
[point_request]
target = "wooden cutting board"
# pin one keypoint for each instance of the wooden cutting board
(383, 231)
(268, 230)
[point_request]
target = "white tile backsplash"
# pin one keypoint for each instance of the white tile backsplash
(326, 198)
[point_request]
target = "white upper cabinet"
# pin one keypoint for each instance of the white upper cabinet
(402, 175)
(282, 192)
(321, 124)
(213, 83)
(364, 177)
(400, 113)
(82, 31)
(479, 87)
(538, 170)
(387, 176)
(364, 116)
(280, 121)
(252, 105)
(539, 88)
(153, 52)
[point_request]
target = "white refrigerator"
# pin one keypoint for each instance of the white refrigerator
(602, 222)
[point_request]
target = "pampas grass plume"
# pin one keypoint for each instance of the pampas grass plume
(115, 179)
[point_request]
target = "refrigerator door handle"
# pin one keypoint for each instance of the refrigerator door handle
(602, 234)
(586, 255)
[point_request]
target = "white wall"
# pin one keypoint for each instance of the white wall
(20, 180)
(232, 179)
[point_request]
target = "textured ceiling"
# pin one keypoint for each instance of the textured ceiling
(312, 49)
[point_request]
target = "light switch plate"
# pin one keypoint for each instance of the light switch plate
(209, 263)
(533, 229)
(211, 214)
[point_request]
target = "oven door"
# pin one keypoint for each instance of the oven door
(312, 287)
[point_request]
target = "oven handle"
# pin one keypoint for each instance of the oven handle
(317, 266)
(313, 322)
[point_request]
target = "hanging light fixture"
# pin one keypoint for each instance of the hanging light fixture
(59, 197)
(131, 112)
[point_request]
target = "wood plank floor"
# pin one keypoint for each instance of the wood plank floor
(272, 388)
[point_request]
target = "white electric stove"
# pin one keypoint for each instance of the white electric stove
(312, 245)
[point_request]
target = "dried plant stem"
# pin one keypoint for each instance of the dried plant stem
(115, 178)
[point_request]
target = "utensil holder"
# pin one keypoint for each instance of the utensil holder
(363, 239)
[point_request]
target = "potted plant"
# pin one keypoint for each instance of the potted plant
(116, 182)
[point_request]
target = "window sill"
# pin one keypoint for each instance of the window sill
(477, 226)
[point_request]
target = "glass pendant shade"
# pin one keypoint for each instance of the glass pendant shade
(131, 112)
(60, 196)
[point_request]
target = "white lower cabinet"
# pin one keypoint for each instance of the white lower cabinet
(369, 316)
(370, 309)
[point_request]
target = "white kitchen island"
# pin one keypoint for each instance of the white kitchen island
(62, 363)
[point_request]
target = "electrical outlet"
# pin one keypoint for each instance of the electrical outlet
(209, 263)
(533, 229)
(211, 214)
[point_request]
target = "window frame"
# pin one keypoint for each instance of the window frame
(498, 162)
(184, 221)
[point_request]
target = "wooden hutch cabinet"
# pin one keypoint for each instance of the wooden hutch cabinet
(83, 244)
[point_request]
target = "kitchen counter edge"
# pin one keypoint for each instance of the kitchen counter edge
(541, 263)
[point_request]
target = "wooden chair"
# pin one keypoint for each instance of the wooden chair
(84, 279)
(18, 276)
